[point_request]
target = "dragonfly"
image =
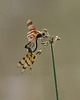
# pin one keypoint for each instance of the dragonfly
(26, 61)
(33, 35)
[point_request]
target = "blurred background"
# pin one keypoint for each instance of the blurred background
(60, 17)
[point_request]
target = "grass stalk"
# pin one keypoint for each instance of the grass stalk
(54, 70)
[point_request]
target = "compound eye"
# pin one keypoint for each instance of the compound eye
(43, 34)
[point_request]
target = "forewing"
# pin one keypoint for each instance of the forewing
(30, 25)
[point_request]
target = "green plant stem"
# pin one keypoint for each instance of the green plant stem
(54, 70)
